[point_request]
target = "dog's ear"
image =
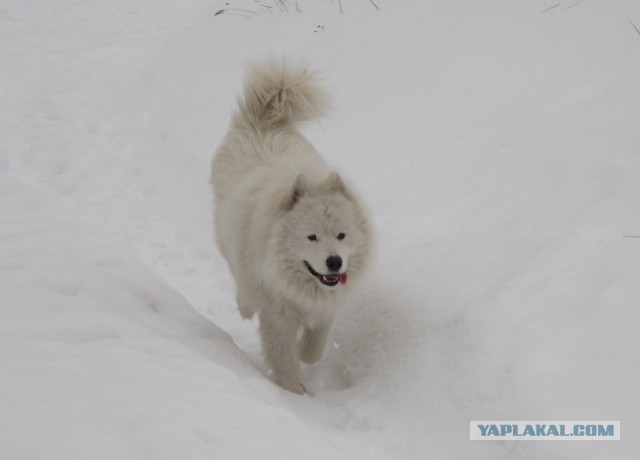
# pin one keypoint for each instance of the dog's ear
(335, 184)
(300, 187)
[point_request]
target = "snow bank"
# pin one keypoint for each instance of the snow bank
(102, 359)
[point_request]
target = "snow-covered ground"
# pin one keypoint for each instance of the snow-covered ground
(497, 144)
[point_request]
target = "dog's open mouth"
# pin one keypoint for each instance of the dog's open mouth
(328, 280)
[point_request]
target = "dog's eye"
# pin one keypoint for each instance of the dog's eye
(341, 236)
(312, 238)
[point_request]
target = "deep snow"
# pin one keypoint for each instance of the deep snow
(497, 145)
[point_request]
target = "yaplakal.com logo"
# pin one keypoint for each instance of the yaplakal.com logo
(505, 430)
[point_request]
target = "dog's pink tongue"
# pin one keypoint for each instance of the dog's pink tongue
(343, 278)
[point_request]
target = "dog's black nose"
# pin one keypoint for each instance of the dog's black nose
(334, 263)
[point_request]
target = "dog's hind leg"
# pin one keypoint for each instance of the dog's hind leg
(278, 332)
(313, 342)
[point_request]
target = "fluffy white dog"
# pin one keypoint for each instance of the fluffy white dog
(294, 234)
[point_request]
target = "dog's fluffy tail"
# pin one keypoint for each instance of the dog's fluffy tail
(279, 94)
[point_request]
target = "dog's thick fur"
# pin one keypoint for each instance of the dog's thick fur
(289, 227)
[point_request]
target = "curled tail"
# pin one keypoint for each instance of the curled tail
(277, 94)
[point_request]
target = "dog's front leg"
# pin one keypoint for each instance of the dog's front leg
(278, 332)
(247, 297)
(313, 342)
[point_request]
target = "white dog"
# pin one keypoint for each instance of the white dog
(293, 233)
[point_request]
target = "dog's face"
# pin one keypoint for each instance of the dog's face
(324, 236)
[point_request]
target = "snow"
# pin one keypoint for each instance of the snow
(497, 146)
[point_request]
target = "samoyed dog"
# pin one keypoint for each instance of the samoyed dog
(294, 234)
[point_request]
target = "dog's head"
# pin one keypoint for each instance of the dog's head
(323, 238)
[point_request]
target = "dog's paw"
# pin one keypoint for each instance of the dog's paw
(295, 387)
(245, 311)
